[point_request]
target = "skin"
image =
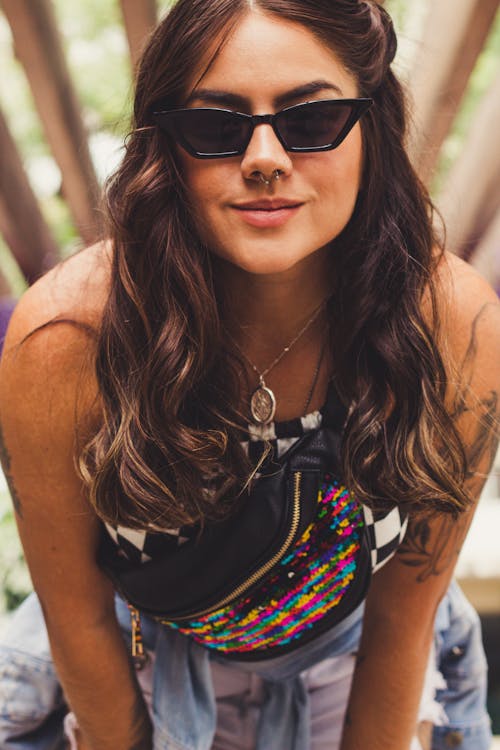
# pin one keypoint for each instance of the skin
(281, 273)
(401, 604)
(47, 387)
(255, 65)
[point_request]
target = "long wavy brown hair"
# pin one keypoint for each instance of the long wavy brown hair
(168, 452)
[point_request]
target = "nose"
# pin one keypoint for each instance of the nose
(264, 155)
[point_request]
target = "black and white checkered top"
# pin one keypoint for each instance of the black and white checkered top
(385, 531)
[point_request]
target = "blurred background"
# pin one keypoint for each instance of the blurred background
(66, 83)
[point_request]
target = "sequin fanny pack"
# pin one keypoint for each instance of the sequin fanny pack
(290, 565)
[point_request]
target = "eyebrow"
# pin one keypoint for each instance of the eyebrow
(216, 96)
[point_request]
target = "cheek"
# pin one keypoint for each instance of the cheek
(346, 163)
(206, 184)
(339, 180)
(200, 185)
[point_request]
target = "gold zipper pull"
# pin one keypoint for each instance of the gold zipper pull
(139, 656)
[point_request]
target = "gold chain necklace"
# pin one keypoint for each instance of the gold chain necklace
(263, 400)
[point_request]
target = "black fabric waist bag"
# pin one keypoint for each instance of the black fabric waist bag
(228, 567)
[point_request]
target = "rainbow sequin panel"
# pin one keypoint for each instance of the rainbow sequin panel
(309, 581)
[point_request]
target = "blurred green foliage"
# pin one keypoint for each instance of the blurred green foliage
(98, 59)
(15, 582)
(97, 55)
(485, 72)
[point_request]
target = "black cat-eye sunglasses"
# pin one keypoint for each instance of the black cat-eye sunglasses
(211, 133)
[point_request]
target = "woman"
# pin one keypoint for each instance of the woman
(279, 271)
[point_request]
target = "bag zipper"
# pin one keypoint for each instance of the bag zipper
(138, 654)
(264, 568)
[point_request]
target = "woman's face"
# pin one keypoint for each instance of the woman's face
(264, 63)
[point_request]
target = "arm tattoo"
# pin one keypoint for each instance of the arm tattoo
(6, 464)
(483, 447)
(432, 552)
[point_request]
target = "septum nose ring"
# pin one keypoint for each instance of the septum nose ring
(275, 176)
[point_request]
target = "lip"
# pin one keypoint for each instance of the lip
(267, 213)
(270, 204)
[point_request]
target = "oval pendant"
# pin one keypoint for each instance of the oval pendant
(263, 405)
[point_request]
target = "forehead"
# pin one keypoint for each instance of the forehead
(265, 55)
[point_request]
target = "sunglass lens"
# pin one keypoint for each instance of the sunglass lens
(314, 125)
(210, 132)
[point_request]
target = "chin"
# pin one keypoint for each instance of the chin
(264, 257)
(263, 264)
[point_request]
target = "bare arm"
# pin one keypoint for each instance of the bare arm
(401, 605)
(45, 387)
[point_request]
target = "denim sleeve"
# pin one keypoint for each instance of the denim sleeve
(32, 703)
(31, 700)
(462, 662)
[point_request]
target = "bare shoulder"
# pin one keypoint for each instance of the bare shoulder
(50, 341)
(470, 346)
(49, 409)
(76, 289)
(462, 288)
(414, 581)
(469, 309)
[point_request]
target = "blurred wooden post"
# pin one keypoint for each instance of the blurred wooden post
(471, 196)
(21, 222)
(38, 47)
(140, 18)
(455, 36)
(5, 290)
(487, 256)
